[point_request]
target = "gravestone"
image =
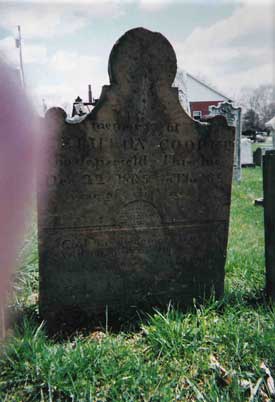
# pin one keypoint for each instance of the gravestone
(246, 153)
(271, 127)
(258, 156)
(269, 220)
(233, 117)
(134, 208)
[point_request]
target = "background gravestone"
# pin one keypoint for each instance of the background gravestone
(233, 117)
(246, 153)
(269, 219)
(258, 156)
(138, 196)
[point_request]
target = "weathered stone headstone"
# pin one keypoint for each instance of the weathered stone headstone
(269, 219)
(258, 156)
(138, 196)
(233, 117)
(246, 153)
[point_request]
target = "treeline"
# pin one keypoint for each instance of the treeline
(258, 106)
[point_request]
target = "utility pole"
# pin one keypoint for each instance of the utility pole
(18, 45)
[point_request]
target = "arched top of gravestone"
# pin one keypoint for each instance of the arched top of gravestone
(140, 54)
(55, 117)
(142, 68)
(56, 113)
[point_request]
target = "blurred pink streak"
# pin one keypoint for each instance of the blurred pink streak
(19, 135)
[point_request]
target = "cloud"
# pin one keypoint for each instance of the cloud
(72, 61)
(94, 3)
(78, 70)
(37, 22)
(8, 50)
(35, 54)
(50, 19)
(253, 77)
(246, 20)
(31, 53)
(233, 51)
(155, 5)
(74, 72)
(52, 95)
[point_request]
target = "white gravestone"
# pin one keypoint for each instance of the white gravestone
(246, 152)
(271, 125)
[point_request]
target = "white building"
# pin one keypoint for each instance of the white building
(196, 96)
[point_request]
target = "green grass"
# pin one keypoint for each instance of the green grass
(169, 357)
(267, 143)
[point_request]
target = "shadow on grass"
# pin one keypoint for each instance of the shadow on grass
(254, 298)
(132, 323)
(17, 317)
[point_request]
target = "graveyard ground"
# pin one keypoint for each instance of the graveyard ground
(213, 353)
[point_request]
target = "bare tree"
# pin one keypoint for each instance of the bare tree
(251, 120)
(261, 100)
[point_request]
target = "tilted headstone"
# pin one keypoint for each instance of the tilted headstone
(269, 220)
(233, 117)
(138, 196)
(246, 153)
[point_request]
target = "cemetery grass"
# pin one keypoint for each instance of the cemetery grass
(212, 353)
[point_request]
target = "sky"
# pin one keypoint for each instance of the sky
(66, 45)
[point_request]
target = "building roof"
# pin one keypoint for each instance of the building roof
(216, 93)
